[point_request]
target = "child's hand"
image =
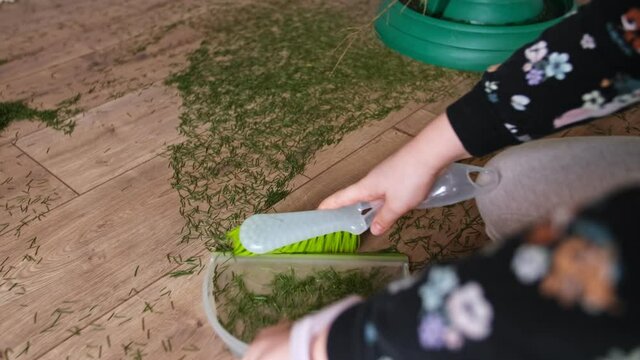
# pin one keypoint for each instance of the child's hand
(271, 344)
(404, 179)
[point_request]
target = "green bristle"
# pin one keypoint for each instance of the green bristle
(334, 243)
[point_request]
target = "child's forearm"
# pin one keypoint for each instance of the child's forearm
(437, 145)
(319, 347)
(583, 68)
(404, 179)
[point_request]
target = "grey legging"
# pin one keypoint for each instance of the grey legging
(541, 176)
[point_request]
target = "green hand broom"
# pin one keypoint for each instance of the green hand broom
(338, 230)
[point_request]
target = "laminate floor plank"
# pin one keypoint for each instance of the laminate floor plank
(110, 139)
(88, 257)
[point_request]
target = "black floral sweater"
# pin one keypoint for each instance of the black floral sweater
(585, 67)
(567, 289)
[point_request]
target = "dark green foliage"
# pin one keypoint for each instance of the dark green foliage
(272, 84)
(57, 118)
(244, 312)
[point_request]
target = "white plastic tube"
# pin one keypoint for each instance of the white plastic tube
(263, 233)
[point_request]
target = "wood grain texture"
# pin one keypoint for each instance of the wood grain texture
(408, 119)
(88, 280)
(414, 123)
(450, 95)
(88, 257)
(109, 139)
(297, 182)
(27, 19)
(27, 190)
(354, 140)
(91, 29)
(344, 172)
(433, 235)
(101, 76)
(164, 321)
(18, 129)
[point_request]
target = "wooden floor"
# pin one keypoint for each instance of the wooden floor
(87, 220)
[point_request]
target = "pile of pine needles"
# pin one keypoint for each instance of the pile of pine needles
(274, 82)
(244, 312)
(58, 118)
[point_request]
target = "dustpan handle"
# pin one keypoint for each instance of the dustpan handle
(453, 186)
(456, 185)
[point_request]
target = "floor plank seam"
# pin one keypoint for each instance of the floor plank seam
(91, 51)
(429, 112)
(406, 117)
(44, 215)
(121, 303)
(123, 173)
(78, 195)
(84, 113)
(365, 144)
(47, 170)
(395, 127)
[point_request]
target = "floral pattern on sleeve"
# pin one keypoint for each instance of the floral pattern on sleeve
(491, 88)
(621, 91)
(588, 42)
(451, 312)
(580, 268)
(626, 34)
(565, 289)
(541, 65)
(631, 24)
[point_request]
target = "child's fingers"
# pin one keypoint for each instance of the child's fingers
(271, 343)
(386, 217)
(347, 196)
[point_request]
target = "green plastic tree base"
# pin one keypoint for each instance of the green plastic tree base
(488, 12)
(454, 44)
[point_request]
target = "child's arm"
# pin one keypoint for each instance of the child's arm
(585, 67)
(533, 313)
(566, 289)
(404, 178)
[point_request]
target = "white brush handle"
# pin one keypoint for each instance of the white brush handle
(263, 233)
